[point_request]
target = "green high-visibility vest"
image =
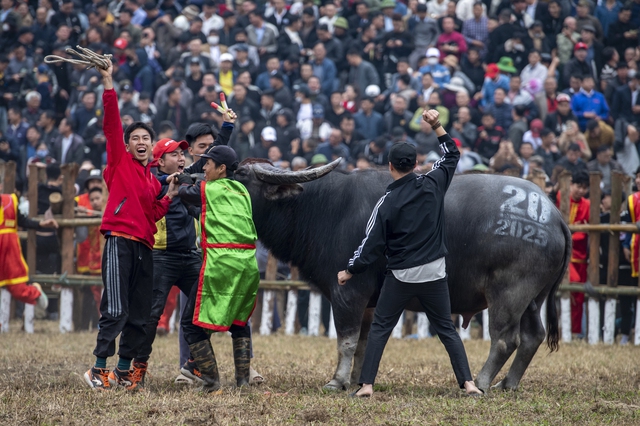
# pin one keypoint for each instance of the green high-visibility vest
(229, 277)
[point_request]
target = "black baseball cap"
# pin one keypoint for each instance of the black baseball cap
(222, 154)
(402, 155)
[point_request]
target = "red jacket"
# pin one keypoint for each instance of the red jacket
(132, 208)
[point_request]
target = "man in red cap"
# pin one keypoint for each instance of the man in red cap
(579, 64)
(492, 80)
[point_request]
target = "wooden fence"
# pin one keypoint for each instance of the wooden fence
(284, 294)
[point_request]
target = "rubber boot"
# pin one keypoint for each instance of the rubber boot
(242, 359)
(205, 359)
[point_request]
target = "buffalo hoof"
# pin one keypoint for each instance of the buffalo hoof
(501, 385)
(335, 386)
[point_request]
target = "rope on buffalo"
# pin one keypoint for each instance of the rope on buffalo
(87, 57)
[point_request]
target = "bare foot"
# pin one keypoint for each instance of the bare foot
(471, 389)
(364, 392)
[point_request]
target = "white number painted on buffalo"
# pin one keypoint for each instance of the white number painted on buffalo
(535, 203)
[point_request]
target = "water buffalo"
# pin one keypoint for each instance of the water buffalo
(508, 251)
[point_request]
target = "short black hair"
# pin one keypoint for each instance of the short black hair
(138, 125)
(96, 189)
(199, 129)
(53, 171)
(545, 132)
(580, 177)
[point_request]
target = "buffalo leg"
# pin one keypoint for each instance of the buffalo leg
(347, 344)
(362, 344)
(504, 328)
(531, 336)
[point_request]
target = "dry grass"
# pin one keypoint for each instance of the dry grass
(41, 383)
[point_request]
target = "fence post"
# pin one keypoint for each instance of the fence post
(332, 334)
(565, 299)
(5, 310)
(465, 333)
(614, 257)
(423, 325)
(397, 330)
(593, 311)
(268, 297)
(292, 305)
(315, 310)
(33, 211)
(70, 172)
(485, 325)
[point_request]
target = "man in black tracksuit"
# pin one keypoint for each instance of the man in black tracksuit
(176, 258)
(408, 222)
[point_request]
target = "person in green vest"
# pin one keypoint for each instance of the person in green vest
(225, 296)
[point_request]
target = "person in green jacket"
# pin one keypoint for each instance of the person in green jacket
(225, 296)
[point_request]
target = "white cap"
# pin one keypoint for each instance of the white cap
(433, 52)
(269, 134)
(226, 57)
(372, 90)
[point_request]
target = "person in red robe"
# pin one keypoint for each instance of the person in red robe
(634, 213)
(578, 213)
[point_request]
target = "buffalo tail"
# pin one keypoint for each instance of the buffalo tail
(553, 333)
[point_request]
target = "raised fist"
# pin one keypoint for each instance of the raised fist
(431, 116)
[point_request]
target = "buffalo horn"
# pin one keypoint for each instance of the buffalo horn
(276, 176)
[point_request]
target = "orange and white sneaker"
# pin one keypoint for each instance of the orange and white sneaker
(139, 372)
(97, 378)
(124, 379)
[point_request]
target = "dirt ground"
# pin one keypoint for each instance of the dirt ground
(41, 383)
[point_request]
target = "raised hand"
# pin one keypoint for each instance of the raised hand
(431, 116)
(229, 116)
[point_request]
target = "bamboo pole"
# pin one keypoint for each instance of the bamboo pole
(593, 311)
(605, 228)
(268, 297)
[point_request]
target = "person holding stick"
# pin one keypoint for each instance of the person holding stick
(129, 225)
(408, 223)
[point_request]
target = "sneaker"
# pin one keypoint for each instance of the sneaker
(97, 378)
(125, 379)
(624, 341)
(138, 373)
(43, 300)
(190, 370)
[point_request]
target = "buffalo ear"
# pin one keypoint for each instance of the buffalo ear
(281, 192)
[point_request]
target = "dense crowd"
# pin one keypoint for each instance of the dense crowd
(522, 86)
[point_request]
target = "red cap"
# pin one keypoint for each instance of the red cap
(563, 97)
(458, 143)
(492, 71)
(580, 45)
(120, 43)
(536, 126)
(165, 146)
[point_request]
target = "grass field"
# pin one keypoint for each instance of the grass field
(41, 383)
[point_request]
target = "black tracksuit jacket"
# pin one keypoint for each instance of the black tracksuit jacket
(408, 221)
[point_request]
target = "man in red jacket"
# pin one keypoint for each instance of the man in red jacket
(129, 225)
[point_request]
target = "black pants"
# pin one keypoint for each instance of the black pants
(169, 269)
(48, 254)
(127, 274)
(434, 298)
(194, 333)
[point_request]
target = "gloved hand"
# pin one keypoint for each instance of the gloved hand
(185, 179)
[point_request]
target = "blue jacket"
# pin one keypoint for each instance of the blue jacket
(440, 73)
(263, 80)
(369, 126)
(594, 102)
(328, 77)
(490, 86)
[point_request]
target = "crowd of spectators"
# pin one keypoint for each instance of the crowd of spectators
(520, 84)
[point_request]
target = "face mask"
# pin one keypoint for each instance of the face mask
(213, 40)
(298, 99)
(42, 153)
(432, 61)
(519, 47)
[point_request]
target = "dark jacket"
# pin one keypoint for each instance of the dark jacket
(75, 153)
(621, 106)
(408, 221)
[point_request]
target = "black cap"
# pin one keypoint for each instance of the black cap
(422, 7)
(402, 155)
(222, 154)
(323, 27)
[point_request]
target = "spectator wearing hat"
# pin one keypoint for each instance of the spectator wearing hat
(548, 151)
(226, 76)
(368, 121)
(579, 64)
(566, 40)
(532, 136)
(500, 109)
(605, 164)
(440, 73)
(262, 35)
(623, 34)
(607, 14)
(425, 32)
(555, 121)
(451, 42)
(584, 17)
(268, 138)
(493, 80)
(342, 34)
(268, 110)
(589, 104)
(68, 147)
(361, 73)
(598, 133)
(315, 127)
(289, 41)
(626, 100)
(187, 14)
(475, 29)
